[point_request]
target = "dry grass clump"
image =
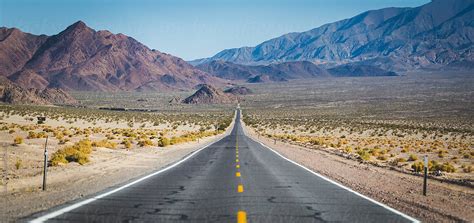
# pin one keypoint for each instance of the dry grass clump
(412, 157)
(18, 164)
(127, 143)
(381, 141)
(104, 143)
(467, 168)
(164, 142)
(17, 140)
(79, 152)
(145, 142)
(363, 154)
(434, 166)
(36, 135)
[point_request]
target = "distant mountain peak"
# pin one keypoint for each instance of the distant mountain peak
(79, 25)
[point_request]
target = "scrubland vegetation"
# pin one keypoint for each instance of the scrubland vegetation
(75, 133)
(391, 122)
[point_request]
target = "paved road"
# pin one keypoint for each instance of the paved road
(207, 188)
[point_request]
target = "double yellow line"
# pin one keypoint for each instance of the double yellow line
(241, 215)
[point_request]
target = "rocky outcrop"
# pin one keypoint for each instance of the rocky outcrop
(238, 90)
(209, 95)
(13, 94)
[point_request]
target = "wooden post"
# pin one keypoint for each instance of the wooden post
(426, 175)
(45, 167)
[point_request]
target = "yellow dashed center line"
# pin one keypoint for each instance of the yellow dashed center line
(240, 188)
(241, 217)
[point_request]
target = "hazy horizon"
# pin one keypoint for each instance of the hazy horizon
(187, 29)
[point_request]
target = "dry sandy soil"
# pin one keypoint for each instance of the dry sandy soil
(22, 195)
(445, 202)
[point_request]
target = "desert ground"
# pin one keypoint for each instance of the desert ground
(387, 121)
(91, 150)
(377, 127)
(371, 134)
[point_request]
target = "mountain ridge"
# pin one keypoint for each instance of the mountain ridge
(83, 59)
(285, 71)
(429, 36)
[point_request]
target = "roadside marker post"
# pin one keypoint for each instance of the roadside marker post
(425, 178)
(45, 167)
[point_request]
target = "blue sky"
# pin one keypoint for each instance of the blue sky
(189, 29)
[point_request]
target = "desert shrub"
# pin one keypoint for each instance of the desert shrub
(441, 153)
(11, 131)
(348, 149)
(382, 157)
(163, 142)
(400, 160)
(467, 169)
(104, 143)
(445, 167)
(32, 135)
(412, 157)
(145, 142)
(374, 152)
(36, 135)
(363, 154)
(223, 124)
(18, 164)
(18, 140)
(127, 144)
(417, 167)
(63, 141)
(79, 152)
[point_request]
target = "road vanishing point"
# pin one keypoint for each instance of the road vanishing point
(235, 179)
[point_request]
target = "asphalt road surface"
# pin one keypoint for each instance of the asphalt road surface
(233, 180)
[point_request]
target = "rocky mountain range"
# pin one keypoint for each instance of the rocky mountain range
(285, 71)
(437, 35)
(80, 58)
(263, 73)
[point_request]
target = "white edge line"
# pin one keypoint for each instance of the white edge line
(343, 187)
(82, 203)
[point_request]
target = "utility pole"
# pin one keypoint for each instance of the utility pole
(45, 167)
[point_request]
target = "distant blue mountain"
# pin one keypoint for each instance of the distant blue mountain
(436, 35)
